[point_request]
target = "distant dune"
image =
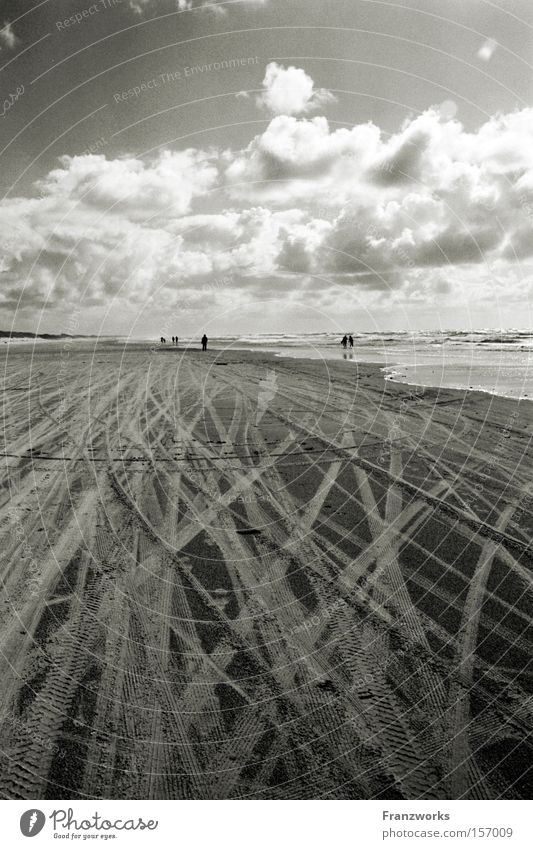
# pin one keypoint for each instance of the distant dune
(23, 334)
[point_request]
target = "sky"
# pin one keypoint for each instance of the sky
(170, 166)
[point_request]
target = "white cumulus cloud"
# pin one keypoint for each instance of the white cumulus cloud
(487, 49)
(7, 36)
(291, 91)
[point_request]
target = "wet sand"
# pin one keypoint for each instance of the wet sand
(230, 575)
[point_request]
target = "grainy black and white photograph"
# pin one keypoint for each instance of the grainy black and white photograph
(266, 350)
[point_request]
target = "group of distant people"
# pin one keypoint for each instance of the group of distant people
(345, 341)
(205, 340)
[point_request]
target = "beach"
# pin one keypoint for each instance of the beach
(233, 575)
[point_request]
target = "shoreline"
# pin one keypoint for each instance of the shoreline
(154, 347)
(518, 398)
(387, 368)
(360, 364)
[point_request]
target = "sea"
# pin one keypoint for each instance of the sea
(496, 361)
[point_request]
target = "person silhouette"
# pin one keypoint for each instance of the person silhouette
(350, 340)
(205, 340)
(344, 341)
(172, 340)
(176, 342)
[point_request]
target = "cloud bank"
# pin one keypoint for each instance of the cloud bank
(216, 6)
(303, 209)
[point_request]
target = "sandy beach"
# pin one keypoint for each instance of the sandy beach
(231, 575)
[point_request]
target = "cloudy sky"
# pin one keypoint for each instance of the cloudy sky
(265, 165)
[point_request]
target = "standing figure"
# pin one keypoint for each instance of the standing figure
(204, 342)
(176, 338)
(350, 340)
(344, 341)
(163, 340)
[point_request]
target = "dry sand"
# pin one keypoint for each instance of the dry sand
(227, 575)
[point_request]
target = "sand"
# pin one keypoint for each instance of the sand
(230, 575)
